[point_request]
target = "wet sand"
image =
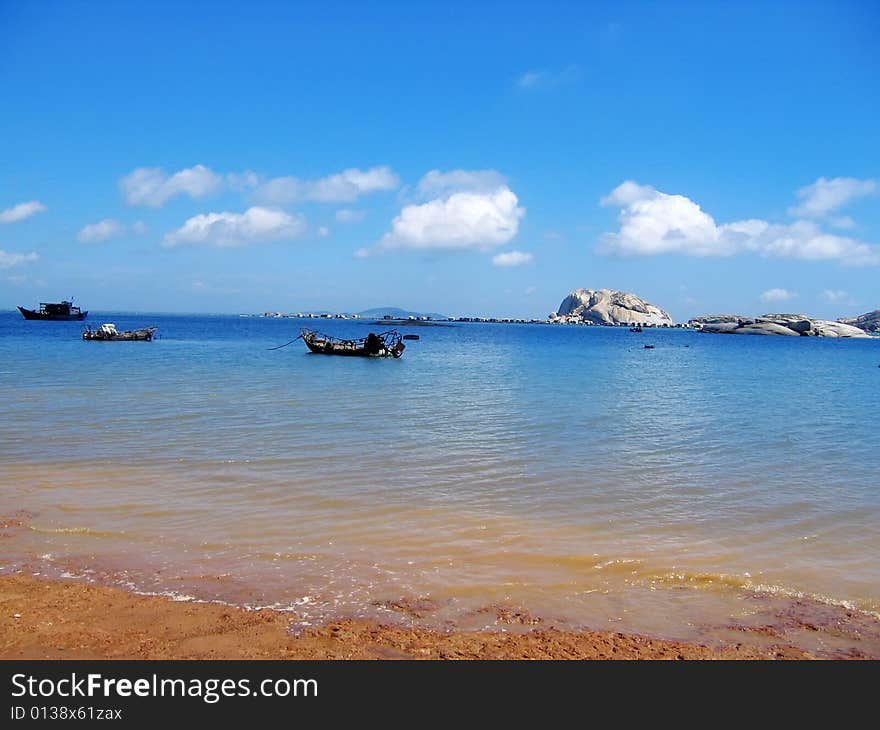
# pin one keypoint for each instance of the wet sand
(53, 619)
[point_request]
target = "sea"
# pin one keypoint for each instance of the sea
(506, 476)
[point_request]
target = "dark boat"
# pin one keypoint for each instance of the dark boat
(108, 333)
(59, 311)
(637, 328)
(385, 344)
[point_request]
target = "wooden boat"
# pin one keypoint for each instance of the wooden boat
(385, 344)
(58, 311)
(108, 333)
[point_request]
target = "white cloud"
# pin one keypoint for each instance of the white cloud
(109, 228)
(627, 193)
(544, 79)
(347, 215)
(101, 231)
(460, 221)
(777, 295)
(323, 232)
(436, 183)
(21, 211)
(512, 258)
(843, 221)
(242, 181)
(530, 79)
(229, 230)
(152, 187)
(652, 223)
(530, 290)
(343, 187)
(825, 196)
(835, 295)
(8, 260)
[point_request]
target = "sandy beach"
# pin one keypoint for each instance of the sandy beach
(50, 619)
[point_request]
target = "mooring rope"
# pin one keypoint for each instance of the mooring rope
(286, 343)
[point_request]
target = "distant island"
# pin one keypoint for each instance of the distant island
(398, 313)
(869, 322)
(787, 325)
(614, 308)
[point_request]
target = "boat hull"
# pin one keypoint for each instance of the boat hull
(144, 335)
(32, 314)
(325, 345)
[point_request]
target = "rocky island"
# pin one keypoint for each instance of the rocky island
(791, 325)
(869, 322)
(610, 307)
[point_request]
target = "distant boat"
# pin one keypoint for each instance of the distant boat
(637, 328)
(107, 332)
(58, 311)
(385, 344)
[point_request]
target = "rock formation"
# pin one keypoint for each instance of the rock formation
(792, 325)
(606, 306)
(869, 322)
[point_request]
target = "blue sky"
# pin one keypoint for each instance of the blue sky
(479, 158)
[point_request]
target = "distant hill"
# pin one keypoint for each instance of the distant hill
(398, 313)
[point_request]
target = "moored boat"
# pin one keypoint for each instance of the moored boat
(57, 311)
(384, 344)
(107, 332)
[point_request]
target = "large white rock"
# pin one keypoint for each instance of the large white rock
(869, 322)
(607, 306)
(776, 324)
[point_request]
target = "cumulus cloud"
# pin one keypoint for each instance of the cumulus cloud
(9, 260)
(835, 295)
(347, 215)
(460, 221)
(843, 221)
(467, 209)
(230, 230)
(436, 183)
(777, 295)
(344, 187)
(21, 211)
(825, 196)
(109, 228)
(511, 258)
(101, 231)
(242, 181)
(545, 79)
(652, 223)
(153, 187)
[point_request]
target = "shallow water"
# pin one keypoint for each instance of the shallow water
(712, 481)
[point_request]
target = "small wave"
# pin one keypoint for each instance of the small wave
(76, 531)
(746, 583)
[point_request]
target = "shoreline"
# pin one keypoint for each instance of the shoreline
(57, 619)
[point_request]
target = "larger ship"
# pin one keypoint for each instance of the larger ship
(57, 311)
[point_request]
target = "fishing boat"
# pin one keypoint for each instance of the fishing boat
(385, 344)
(107, 332)
(58, 311)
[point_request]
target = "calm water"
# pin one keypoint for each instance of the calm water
(710, 481)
